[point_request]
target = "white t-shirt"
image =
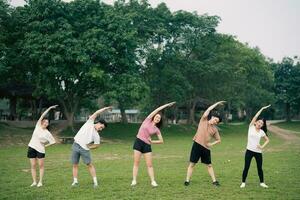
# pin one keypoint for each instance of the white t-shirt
(39, 137)
(87, 134)
(254, 138)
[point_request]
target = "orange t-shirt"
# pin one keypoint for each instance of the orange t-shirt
(205, 132)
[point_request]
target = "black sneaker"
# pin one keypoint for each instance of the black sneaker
(216, 183)
(186, 183)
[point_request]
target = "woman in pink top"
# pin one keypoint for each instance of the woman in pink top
(142, 144)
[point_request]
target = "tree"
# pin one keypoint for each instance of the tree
(66, 49)
(287, 84)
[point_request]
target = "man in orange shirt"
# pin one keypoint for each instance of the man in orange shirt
(201, 147)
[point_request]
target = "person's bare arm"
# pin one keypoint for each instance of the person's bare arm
(45, 113)
(93, 146)
(267, 140)
(159, 141)
(214, 143)
(217, 140)
(258, 113)
(49, 144)
(153, 113)
(210, 108)
(95, 114)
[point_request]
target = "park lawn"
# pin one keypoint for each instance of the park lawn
(293, 125)
(113, 162)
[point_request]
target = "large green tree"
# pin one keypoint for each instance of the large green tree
(287, 85)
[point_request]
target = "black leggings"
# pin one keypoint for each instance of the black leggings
(258, 157)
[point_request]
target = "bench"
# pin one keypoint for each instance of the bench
(67, 140)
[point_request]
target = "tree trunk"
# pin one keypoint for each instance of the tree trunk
(70, 119)
(69, 112)
(288, 112)
(192, 112)
(227, 112)
(123, 115)
(13, 108)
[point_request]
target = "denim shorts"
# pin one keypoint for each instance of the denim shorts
(78, 151)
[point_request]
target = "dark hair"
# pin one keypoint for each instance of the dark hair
(101, 121)
(217, 115)
(160, 123)
(264, 127)
(46, 118)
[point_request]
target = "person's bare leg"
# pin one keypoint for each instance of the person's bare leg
(148, 158)
(33, 162)
(211, 172)
(75, 174)
(92, 171)
(189, 172)
(136, 161)
(42, 169)
(75, 170)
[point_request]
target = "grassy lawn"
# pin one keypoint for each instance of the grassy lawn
(113, 162)
(294, 125)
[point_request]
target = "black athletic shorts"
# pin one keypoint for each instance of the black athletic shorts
(32, 153)
(141, 146)
(197, 152)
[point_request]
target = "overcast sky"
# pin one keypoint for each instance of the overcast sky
(271, 25)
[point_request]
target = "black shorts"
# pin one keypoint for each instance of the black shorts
(197, 152)
(141, 146)
(32, 153)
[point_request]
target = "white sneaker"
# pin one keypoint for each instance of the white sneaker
(154, 184)
(74, 184)
(39, 184)
(243, 185)
(133, 183)
(263, 185)
(33, 184)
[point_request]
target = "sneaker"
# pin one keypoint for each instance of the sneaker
(39, 184)
(263, 185)
(33, 184)
(133, 183)
(154, 184)
(186, 183)
(243, 185)
(75, 184)
(95, 185)
(216, 183)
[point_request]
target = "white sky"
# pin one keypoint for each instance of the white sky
(270, 25)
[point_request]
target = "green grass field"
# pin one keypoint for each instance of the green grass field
(113, 162)
(293, 125)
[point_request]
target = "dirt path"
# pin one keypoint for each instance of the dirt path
(287, 135)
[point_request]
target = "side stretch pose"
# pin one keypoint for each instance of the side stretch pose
(201, 146)
(87, 134)
(257, 130)
(40, 139)
(142, 144)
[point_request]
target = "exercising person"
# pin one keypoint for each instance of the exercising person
(257, 130)
(142, 145)
(40, 139)
(83, 140)
(201, 146)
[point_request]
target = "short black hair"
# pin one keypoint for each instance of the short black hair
(215, 115)
(101, 121)
(219, 117)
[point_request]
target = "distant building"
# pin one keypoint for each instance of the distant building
(113, 116)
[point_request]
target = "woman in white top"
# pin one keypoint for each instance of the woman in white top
(257, 130)
(40, 139)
